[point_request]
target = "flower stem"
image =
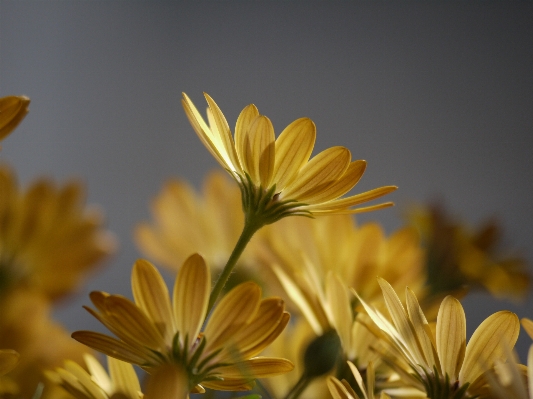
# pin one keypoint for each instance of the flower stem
(250, 228)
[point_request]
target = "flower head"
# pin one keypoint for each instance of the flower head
(276, 176)
(13, 109)
(48, 237)
(442, 361)
(154, 332)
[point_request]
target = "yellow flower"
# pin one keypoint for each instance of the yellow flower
(185, 222)
(154, 332)
(444, 365)
(121, 382)
(458, 256)
(48, 237)
(343, 390)
(275, 176)
(13, 109)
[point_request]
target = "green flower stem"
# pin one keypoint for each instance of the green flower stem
(250, 228)
(299, 387)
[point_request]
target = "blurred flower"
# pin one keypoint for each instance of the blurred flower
(458, 257)
(120, 383)
(306, 254)
(13, 109)
(48, 238)
(275, 176)
(153, 332)
(42, 344)
(186, 222)
(443, 364)
(343, 390)
(527, 324)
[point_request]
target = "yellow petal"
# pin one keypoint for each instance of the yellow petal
(487, 344)
(210, 141)
(344, 184)
(168, 381)
(318, 174)
(451, 336)
(530, 368)
(348, 211)
(8, 360)
(258, 151)
(13, 109)
(84, 379)
(132, 322)
(400, 319)
(420, 324)
(268, 317)
(359, 378)
(257, 367)
(225, 137)
(293, 149)
(97, 371)
(260, 345)
(528, 326)
(151, 295)
(229, 384)
(191, 296)
(244, 121)
(233, 311)
(115, 348)
(343, 203)
(124, 378)
(338, 390)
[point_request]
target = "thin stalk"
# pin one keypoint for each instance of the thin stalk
(250, 228)
(299, 387)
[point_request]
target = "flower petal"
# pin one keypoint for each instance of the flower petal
(151, 295)
(244, 121)
(528, 326)
(344, 184)
(293, 149)
(338, 390)
(233, 311)
(13, 109)
(257, 367)
(211, 142)
(347, 202)
(225, 137)
(191, 296)
(258, 151)
(487, 344)
(115, 348)
(124, 378)
(318, 173)
(451, 336)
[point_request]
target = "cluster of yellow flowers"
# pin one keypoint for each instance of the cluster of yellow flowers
(296, 310)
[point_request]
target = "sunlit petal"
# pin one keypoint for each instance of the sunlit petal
(451, 336)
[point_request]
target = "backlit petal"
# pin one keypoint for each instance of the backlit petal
(191, 296)
(151, 295)
(244, 121)
(258, 151)
(293, 149)
(487, 344)
(451, 336)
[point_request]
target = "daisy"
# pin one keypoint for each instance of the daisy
(49, 238)
(13, 109)
(440, 363)
(166, 337)
(121, 381)
(276, 177)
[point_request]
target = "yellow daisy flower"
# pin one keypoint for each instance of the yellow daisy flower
(48, 237)
(444, 366)
(121, 382)
(276, 177)
(13, 109)
(154, 332)
(186, 221)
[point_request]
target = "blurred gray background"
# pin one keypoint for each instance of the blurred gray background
(436, 96)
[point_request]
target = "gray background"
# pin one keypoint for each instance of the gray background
(437, 97)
